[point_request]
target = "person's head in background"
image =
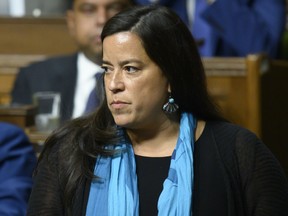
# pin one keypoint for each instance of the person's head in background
(169, 44)
(86, 18)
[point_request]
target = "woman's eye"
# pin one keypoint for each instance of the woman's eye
(131, 69)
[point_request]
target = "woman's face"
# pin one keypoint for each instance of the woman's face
(136, 88)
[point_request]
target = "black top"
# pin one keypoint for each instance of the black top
(151, 173)
(234, 175)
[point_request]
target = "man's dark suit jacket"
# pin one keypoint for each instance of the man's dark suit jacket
(57, 74)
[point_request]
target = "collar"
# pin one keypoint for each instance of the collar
(86, 68)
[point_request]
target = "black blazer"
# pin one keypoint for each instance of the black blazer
(56, 74)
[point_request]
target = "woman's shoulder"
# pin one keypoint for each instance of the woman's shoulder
(235, 145)
(228, 131)
(233, 140)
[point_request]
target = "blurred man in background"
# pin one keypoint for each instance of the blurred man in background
(73, 76)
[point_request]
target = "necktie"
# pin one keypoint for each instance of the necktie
(93, 99)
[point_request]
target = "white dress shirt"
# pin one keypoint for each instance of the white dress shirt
(85, 83)
(191, 5)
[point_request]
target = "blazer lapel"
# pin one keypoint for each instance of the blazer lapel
(69, 76)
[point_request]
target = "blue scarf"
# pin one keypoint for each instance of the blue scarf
(116, 193)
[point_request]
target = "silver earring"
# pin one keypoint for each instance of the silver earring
(170, 106)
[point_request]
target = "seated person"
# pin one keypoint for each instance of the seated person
(157, 144)
(232, 27)
(17, 162)
(73, 76)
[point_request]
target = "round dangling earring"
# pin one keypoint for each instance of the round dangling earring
(170, 106)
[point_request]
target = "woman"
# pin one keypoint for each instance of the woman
(157, 144)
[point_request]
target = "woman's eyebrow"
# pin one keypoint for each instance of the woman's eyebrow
(122, 63)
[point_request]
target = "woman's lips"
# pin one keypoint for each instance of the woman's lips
(118, 104)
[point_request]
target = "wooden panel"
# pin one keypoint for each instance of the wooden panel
(252, 92)
(23, 116)
(47, 36)
(9, 66)
(234, 83)
(256, 66)
(6, 83)
(230, 94)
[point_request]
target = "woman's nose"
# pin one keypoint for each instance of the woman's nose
(115, 82)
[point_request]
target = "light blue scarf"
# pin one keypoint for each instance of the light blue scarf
(116, 193)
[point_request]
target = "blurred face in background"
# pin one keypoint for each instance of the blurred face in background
(86, 20)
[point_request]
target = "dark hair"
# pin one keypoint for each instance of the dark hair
(171, 46)
(169, 43)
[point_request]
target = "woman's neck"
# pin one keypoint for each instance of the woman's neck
(159, 141)
(156, 141)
